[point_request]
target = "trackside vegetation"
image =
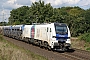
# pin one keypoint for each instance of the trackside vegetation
(9, 51)
(85, 37)
(82, 42)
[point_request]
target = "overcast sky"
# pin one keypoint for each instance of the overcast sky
(7, 5)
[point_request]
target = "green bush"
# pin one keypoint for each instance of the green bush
(88, 48)
(1, 38)
(85, 37)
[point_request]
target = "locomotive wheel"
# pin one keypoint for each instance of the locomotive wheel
(45, 44)
(49, 48)
(40, 44)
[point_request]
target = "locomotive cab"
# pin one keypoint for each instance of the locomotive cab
(62, 37)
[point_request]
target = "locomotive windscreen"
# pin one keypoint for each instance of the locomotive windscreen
(61, 28)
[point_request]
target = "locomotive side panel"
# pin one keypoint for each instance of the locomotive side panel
(41, 33)
(27, 31)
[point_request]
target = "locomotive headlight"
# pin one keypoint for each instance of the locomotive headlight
(68, 41)
(67, 44)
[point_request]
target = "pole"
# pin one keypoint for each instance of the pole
(3, 14)
(3, 17)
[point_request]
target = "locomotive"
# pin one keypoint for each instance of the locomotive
(54, 36)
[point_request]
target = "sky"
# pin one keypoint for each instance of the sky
(7, 5)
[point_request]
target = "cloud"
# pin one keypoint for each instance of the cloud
(4, 15)
(8, 5)
(85, 4)
(33, 1)
(73, 2)
(11, 5)
(20, 2)
(60, 3)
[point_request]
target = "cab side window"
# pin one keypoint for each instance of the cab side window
(50, 30)
(47, 29)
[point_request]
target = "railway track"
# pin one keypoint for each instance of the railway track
(76, 54)
(72, 54)
(80, 54)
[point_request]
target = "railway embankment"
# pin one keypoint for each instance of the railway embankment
(75, 54)
(80, 43)
(9, 51)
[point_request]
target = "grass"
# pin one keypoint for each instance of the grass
(80, 44)
(88, 49)
(85, 37)
(9, 51)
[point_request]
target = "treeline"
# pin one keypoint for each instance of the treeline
(77, 18)
(3, 23)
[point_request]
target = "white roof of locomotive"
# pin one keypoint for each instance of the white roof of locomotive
(28, 26)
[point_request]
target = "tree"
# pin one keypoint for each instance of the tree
(39, 12)
(18, 16)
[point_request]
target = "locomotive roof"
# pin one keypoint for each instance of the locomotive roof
(61, 24)
(48, 23)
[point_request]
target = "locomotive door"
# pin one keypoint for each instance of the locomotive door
(49, 34)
